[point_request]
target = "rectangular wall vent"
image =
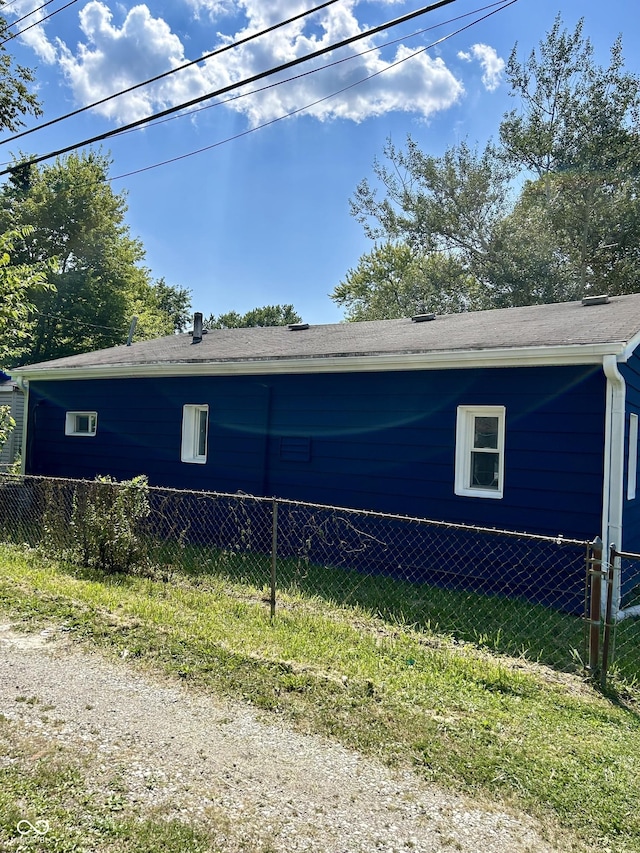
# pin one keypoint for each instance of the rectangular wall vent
(295, 448)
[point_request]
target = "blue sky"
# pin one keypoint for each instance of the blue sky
(264, 218)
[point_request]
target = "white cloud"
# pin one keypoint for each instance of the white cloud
(114, 58)
(34, 37)
(115, 52)
(492, 65)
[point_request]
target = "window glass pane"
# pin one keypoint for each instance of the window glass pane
(484, 470)
(82, 423)
(485, 433)
(201, 446)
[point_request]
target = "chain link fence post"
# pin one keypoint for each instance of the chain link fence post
(274, 555)
(608, 624)
(595, 605)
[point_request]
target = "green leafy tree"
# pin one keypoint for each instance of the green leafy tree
(577, 130)
(7, 423)
(268, 315)
(394, 281)
(437, 220)
(16, 101)
(77, 226)
(16, 280)
(549, 214)
(18, 283)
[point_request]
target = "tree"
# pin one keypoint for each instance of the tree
(548, 214)
(15, 280)
(577, 130)
(77, 226)
(268, 315)
(17, 283)
(175, 302)
(16, 100)
(394, 281)
(441, 215)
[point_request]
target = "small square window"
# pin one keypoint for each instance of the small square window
(480, 451)
(195, 428)
(81, 423)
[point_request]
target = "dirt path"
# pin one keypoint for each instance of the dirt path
(198, 756)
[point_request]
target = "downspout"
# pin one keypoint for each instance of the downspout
(612, 498)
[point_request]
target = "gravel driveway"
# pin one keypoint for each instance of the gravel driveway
(196, 755)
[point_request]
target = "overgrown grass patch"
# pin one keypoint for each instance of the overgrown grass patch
(460, 715)
(509, 626)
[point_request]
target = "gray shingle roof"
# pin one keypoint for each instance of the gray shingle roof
(558, 325)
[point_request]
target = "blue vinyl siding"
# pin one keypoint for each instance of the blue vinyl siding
(383, 441)
(631, 508)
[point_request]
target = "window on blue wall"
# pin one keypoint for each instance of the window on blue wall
(195, 427)
(81, 423)
(480, 451)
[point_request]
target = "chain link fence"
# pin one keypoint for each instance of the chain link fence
(513, 593)
(620, 623)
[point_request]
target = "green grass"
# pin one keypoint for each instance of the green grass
(458, 714)
(504, 625)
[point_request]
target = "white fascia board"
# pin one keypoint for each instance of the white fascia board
(513, 357)
(629, 349)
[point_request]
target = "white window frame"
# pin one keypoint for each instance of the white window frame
(190, 446)
(465, 431)
(71, 424)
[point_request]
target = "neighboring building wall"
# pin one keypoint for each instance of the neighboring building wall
(11, 396)
(383, 441)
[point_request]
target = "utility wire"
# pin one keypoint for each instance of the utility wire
(268, 73)
(29, 14)
(500, 3)
(37, 23)
(314, 103)
(76, 322)
(166, 73)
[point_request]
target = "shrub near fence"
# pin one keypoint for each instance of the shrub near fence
(513, 593)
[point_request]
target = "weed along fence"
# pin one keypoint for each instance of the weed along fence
(514, 593)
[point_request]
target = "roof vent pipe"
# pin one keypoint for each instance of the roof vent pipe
(132, 329)
(197, 327)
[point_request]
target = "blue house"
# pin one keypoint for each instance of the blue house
(520, 418)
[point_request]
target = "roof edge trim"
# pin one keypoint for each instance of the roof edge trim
(513, 357)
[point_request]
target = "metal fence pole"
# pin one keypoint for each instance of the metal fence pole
(606, 639)
(595, 576)
(274, 554)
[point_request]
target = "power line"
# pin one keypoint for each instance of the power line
(268, 73)
(29, 14)
(37, 23)
(336, 62)
(76, 322)
(166, 73)
(318, 101)
(350, 58)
